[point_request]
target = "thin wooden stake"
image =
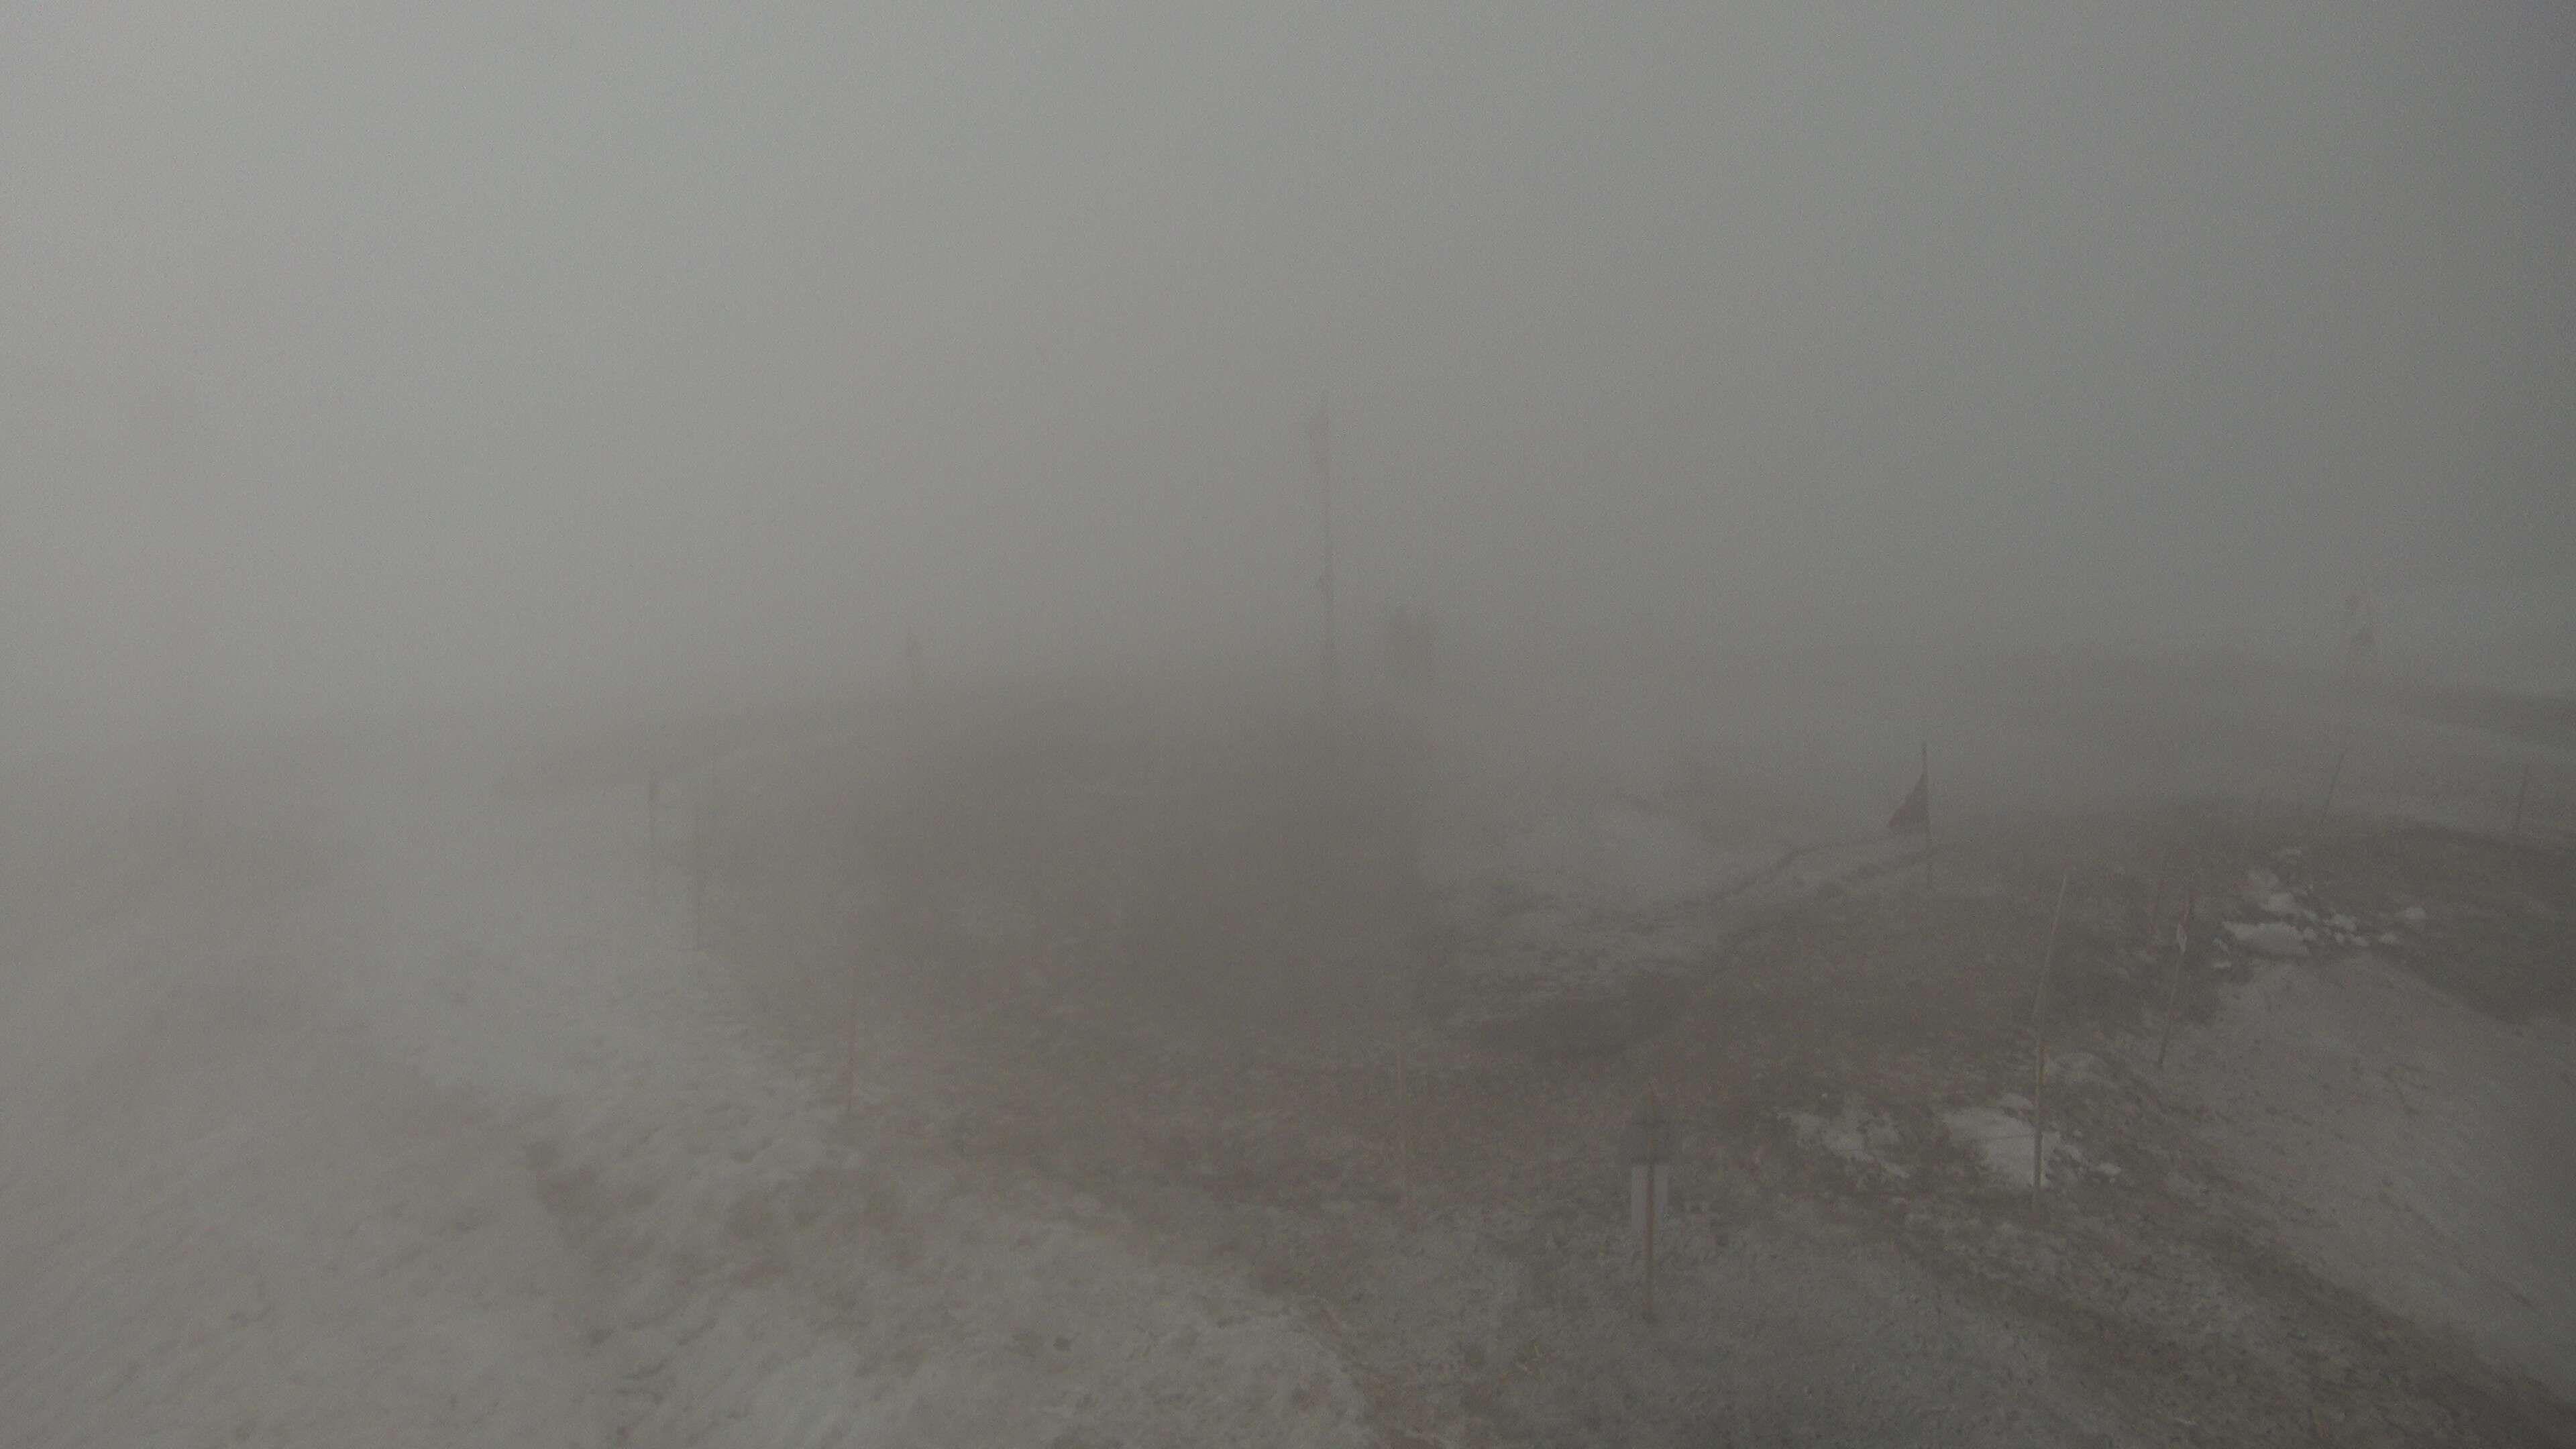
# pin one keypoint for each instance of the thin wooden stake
(2039, 1031)
(1927, 816)
(2173, 980)
(2515, 830)
(1403, 1114)
(1319, 438)
(1650, 1240)
(856, 999)
(1649, 1155)
(2336, 778)
(698, 875)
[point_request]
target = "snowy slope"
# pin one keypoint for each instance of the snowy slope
(2411, 1148)
(459, 1147)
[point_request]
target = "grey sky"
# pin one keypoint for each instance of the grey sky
(509, 344)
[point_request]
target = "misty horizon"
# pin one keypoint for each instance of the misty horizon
(514, 353)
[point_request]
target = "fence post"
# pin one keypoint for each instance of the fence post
(2039, 1032)
(1650, 1154)
(2336, 778)
(858, 1000)
(2173, 979)
(1403, 1103)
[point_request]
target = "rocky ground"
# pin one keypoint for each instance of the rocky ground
(1422, 1156)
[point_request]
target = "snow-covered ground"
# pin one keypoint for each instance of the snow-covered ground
(459, 1146)
(2414, 1150)
(459, 1141)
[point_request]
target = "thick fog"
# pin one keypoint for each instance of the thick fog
(1341, 725)
(364, 360)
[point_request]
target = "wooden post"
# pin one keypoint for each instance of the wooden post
(1649, 1154)
(1319, 437)
(698, 874)
(2173, 979)
(2039, 1032)
(2335, 778)
(2164, 874)
(1403, 1107)
(1403, 1131)
(2514, 831)
(1650, 1243)
(652, 833)
(1927, 817)
(856, 999)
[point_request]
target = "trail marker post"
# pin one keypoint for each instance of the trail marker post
(2335, 777)
(2039, 1034)
(1403, 1130)
(1649, 1154)
(858, 1000)
(1404, 1096)
(2173, 979)
(698, 874)
(1319, 444)
(2164, 877)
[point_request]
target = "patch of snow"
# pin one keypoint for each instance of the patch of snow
(2075, 1067)
(2422, 1153)
(464, 1147)
(1857, 1137)
(2270, 938)
(2000, 1141)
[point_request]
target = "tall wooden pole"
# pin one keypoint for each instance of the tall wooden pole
(1927, 816)
(1403, 1096)
(1650, 1241)
(2173, 981)
(1403, 1126)
(1649, 1153)
(698, 874)
(1319, 437)
(2336, 777)
(858, 1000)
(2039, 1032)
